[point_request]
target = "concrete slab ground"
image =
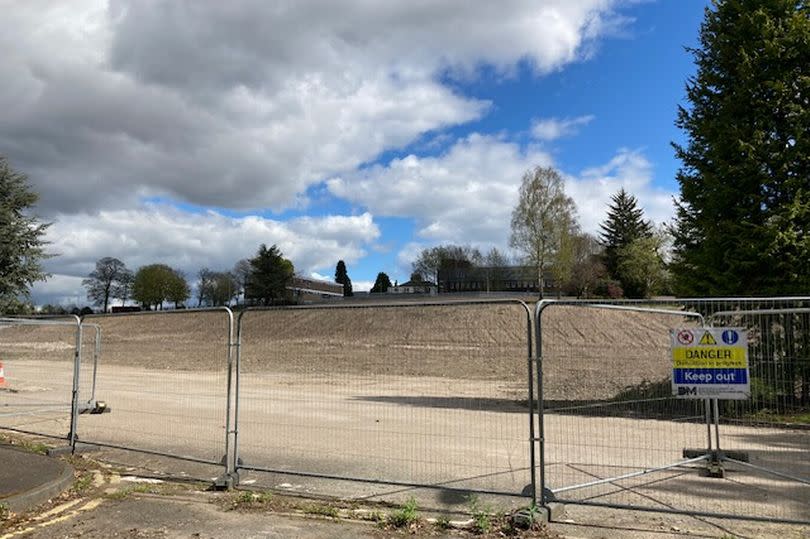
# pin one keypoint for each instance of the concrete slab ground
(28, 479)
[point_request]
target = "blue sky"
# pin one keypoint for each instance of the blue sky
(338, 130)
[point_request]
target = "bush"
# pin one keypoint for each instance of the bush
(609, 288)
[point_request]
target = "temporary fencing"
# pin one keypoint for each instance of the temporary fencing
(165, 377)
(414, 394)
(40, 360)
(612, 433)
(446, 397)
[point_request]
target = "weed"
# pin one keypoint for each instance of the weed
(321, 509)
(83, 482)
(377, 516)
(5, 512)
(482, 521)
(248, 499)
(119, 494)
(406, 516)
(443, 523)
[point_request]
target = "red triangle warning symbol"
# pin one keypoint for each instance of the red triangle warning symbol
(708, 338)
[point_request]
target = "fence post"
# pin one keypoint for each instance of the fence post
(229, 479)
(74, 400)
(538, 354)
(237, 375)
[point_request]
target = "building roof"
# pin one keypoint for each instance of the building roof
(417, 283)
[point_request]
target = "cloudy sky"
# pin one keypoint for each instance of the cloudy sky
(189, 132)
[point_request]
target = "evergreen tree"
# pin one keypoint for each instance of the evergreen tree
(624, 224)
(743, 217)
(342, 277)
(21, 243)
(270, 276)
(382, 284)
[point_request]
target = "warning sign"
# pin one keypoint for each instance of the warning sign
(710, 363)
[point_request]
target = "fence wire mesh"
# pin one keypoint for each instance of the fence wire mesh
(417, 395)
(38, 364)
(609, 412)
(164, 377)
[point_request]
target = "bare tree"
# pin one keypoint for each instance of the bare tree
(241, 273)
(542, 215)
(205, 279)
(106, 281)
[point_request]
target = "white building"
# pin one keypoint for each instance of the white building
(414, 287)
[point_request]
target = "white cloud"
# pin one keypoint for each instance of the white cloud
(245, 104)
(593, 187)
(190, 241)
(465, 194)
(549, 129)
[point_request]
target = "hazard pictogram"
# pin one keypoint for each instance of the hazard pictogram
(685, 336)
(708, 338)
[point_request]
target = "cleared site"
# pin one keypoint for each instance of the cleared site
(354, 402)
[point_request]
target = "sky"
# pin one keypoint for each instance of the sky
(190, 132)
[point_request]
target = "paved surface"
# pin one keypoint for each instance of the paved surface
(28, 479)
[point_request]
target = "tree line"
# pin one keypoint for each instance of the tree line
(261, 280)
(626, 258)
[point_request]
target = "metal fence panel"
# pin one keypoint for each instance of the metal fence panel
(38, 357)
(614, 435)
(164, 376)
(414, 394)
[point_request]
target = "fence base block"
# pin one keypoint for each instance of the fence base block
(526, 518)
(97, 407)
(733, 455)
(226, 481)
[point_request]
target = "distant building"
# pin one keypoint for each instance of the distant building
(414, 287)
(308, 290)
(494, 279)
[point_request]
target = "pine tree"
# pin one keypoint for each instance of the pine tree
(270, 275)
(624, 224)
(21, 242)
(382, 284)
(342, 277)
(743, 217)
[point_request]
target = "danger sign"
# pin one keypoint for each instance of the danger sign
(710, 363)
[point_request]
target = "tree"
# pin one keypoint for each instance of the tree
(342, 277)
(542, 215)
(588, 269)
(495, 264)
(123, 288)
(624, 224)
(157, 283)
(641, 266)
(223, 288)
(742, 218)
(22, 247)
(270, 275)
(205, 278)
(177, 290)
(434, 260)
(381, 284)
(110, 278)
(563, 266)
(241, 274)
